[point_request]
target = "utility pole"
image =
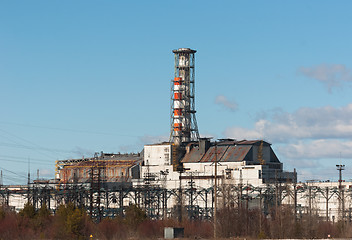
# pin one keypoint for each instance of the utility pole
(310, 202)
(29, 180)
(29, 172)
(215, 188)
(295, 192)
(276, 193)
(261, 209)
(180, 198)
(327, 204)
(340, 168)
(240, 193)
(192, 215)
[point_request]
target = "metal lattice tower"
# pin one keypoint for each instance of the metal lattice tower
(183, 119)
(97, 179)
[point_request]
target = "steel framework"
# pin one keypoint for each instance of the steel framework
(190, 201)
(183, 119)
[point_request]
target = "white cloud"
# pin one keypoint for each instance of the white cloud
(242, 133)
(206, 134)
(129, 148)
(46, 173)
(307, 174)
(317, 149)
(305, 123)
(82, 152)
(302, 163)
(149, 139)
(141, 141)
(320, 134)
(332, 75)
(230, 105)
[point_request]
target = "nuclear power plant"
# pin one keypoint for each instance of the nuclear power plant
(253, 162)
(184, 177)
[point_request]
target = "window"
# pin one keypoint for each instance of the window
(167, 158)
(228, 173)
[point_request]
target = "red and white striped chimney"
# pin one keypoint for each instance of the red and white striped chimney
(183, 122)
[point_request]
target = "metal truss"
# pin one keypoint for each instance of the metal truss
(190, 201)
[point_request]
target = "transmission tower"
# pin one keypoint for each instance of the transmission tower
(340, 168)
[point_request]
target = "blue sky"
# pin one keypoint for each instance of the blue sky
(78, 77)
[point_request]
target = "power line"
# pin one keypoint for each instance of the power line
(52, 150)
(7, 156)
(4, 169)
(19, 161)
(69, 130)
(22, 139)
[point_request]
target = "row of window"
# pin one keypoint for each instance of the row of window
(85, 173)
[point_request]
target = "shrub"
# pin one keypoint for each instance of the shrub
(109, 229)
(28, 211)
(134, 216)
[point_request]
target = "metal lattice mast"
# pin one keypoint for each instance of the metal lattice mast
(340, 168)
(183, 119)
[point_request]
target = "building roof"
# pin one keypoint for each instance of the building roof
(243, 142)
(227, 150)
(224, 154)
(109, 158)
(107, 163)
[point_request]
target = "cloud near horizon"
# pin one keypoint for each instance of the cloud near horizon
(149, 139)
(331, 75)
(305, 123)
(327, 148)
(306, 133)
(46, 173)
(223, 101)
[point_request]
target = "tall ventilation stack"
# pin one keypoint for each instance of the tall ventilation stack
(183, 119)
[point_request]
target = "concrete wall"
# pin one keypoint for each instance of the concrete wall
(157, 155)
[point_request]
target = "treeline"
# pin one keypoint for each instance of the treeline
(70, 222)
(278, 223)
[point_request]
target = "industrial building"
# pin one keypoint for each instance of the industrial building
(187, 173)
(253, 162)
(184, 158)
(113, 168)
